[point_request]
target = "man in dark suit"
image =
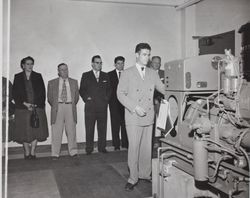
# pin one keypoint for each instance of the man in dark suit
(95, 91)
(155, 64)
(116, 108)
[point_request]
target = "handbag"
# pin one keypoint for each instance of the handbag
(34, 119)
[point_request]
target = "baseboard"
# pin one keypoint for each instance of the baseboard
(45, 150)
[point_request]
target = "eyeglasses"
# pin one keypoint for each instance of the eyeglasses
(98, 62)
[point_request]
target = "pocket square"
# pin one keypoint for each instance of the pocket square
(104, 81)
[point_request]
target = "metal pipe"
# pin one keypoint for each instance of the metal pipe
(200, 154)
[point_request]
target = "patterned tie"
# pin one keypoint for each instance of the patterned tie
(64, 92)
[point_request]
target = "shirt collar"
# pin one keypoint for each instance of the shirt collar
(117, 73)
(61, 79)
(95, 71)
(139, 67)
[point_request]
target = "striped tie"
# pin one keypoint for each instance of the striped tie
(64, 92)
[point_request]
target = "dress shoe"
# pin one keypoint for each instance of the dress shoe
(125, 147)
(104, 151)
(74, 156)
(55, 157)
(129, 186)
(32, 157)
(27, 157)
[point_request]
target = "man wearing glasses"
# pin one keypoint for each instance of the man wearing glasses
(95, 91)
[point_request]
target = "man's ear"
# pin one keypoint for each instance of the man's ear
(137, 54)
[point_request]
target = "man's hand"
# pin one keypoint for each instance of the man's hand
(156, 101)
(140, 111)
(29, 106)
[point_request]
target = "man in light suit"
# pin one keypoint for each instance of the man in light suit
(95, 91)
(63, 96)
(155, 64)
(116, 108)
(135, 91)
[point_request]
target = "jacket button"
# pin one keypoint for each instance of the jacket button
(150, 89)
(149, 99)
(137, 90)
(139, 100)
(149, 108)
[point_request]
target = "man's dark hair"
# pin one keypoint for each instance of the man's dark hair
(61, 64)
(23, 61)
(153, 57)
(141, 46)
(94, 57)
(119, 58)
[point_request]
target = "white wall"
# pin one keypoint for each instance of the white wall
(210, 17)
(189, 46)
(218, 16)
(55, 31)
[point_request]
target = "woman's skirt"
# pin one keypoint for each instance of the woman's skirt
(23, 132)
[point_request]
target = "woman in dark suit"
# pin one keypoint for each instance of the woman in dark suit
(29, 93)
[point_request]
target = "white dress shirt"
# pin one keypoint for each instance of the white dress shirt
(117, 72)
(142, 73)
(67, 88)
(97, 74)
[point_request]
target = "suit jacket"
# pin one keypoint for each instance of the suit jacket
(157, 95)
(19, 92)
(95, 94)
(114, 104)
(53, 95)
(133, 90)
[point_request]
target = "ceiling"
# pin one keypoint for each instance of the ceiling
(178, 4)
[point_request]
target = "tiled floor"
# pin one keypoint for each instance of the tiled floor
(91, 176)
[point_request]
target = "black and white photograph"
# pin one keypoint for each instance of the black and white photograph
(125, 98)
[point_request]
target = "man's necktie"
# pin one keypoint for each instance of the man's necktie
(119, 74)
(96, 76)
(64, 92)
(142, 71)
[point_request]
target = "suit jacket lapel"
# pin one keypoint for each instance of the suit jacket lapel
(146, 77)
(93, 76)
(71, 85)
(56, 88)
(137, 74)
(115, 77)
(100, 77)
